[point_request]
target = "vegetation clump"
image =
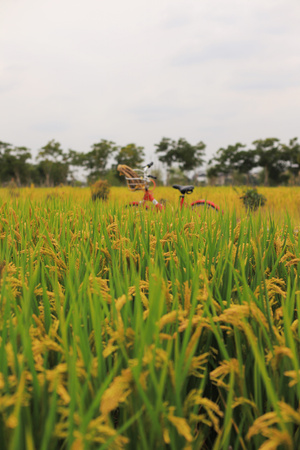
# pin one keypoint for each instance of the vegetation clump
(100, 190)
(252, 200)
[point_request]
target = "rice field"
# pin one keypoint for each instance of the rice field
(125, 329)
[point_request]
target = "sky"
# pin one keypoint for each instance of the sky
(135, 71)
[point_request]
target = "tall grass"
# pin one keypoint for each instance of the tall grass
(134, 329)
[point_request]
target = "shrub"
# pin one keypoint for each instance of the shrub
(100, 190)
(252, 199)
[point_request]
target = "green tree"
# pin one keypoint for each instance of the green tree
(245, 162)
(213, 172)
(233, 159)
(53, 164)
(292, 157)
(187, 156)
(96, 160)
(14, 163)
(3, 147)
(75, 160)
(21, 168)
(272, 158)
(131, 155)
(6, 172)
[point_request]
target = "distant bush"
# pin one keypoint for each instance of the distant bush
(252, 200)
(100, 190)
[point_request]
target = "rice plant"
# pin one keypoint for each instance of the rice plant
(140, 329)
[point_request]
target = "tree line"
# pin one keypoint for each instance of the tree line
(54, 166)
(267, 161)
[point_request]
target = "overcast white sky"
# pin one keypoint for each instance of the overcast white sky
(79, 71)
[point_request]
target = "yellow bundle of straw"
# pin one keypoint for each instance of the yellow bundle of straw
(134, 181)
